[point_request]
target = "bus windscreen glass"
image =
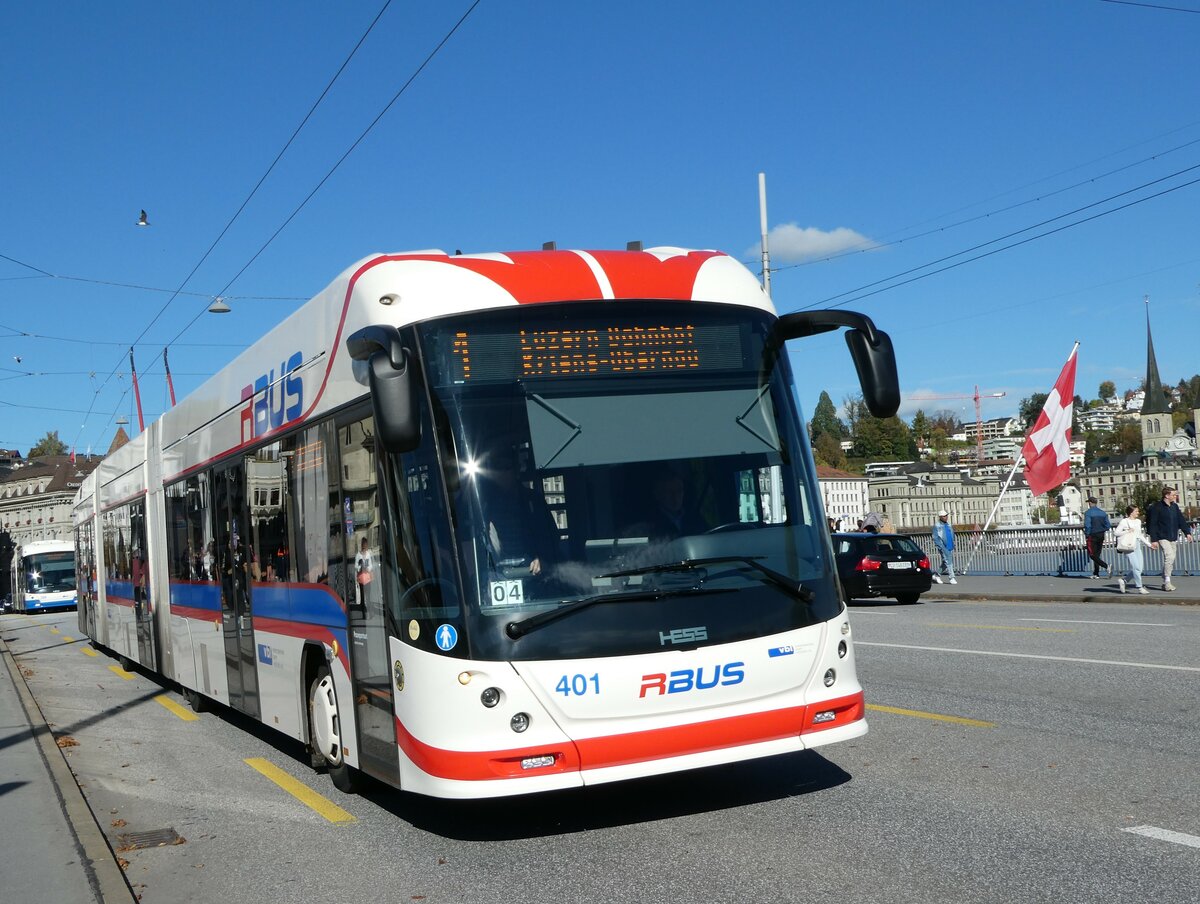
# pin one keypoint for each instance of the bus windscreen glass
(50, 572)
(624, 466)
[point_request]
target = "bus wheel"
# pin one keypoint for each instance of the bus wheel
(325, 731)
(195, 700)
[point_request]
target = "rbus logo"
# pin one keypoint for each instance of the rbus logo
(682, 680)
(271, 404)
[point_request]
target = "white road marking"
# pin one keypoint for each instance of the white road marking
(1165, 835)
(1136, 665)
(872, 611)
(1077, 621)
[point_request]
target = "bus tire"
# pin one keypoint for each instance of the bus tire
(195, 700)
(324, 731)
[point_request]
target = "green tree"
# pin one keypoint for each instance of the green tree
(1143, 495)
(49, 444)
(1189, 393)
(825, 420)
(921, 427)
(879, 438)
(1108, 390)
(1031, 407)
(827, 450)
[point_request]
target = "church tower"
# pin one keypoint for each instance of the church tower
(1156, 414)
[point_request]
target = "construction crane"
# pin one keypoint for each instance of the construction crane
(978, 413)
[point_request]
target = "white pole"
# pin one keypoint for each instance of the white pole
(995, 508)
(762, 222)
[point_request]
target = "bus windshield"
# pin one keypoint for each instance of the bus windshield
(627, 477)
(50, 572)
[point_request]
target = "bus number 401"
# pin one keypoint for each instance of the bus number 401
(578, 685)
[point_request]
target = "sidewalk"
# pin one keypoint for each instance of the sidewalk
(52, 849)
(1072, 589)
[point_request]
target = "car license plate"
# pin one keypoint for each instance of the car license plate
(899, 564)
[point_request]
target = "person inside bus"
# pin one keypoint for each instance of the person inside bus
(673, 514)
(520, 528)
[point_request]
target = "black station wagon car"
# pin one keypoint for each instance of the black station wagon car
(881, 565)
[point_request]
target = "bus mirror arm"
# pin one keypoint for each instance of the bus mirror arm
(870, 348)
(394, 400)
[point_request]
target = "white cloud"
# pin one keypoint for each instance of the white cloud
(792, 244)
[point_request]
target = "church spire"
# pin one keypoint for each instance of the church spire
(1155, 401)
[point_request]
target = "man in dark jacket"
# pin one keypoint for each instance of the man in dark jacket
(1164, 521)
(1096, 526)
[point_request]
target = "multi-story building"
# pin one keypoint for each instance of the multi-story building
(911, 498)
(1168, 456)
(845, 496)
(35, 503)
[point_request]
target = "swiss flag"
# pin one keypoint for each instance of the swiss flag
(1047, 448)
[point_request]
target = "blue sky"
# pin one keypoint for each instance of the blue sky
(904, 133)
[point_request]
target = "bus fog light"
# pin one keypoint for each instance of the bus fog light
(845, 627)
(490, 696)
(827, 716)
(464, 678)
(841, 649)
(537, 762)
(830, 677)
(519, 722)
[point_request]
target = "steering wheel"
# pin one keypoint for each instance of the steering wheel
(423, 586)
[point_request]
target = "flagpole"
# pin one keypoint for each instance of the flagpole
(1023, 454)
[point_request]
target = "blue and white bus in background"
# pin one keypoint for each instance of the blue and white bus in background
(43, 576)
(492, 524)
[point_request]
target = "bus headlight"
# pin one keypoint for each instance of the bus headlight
(519, 722)
(841, 649)
(830, 677)
(490, 696)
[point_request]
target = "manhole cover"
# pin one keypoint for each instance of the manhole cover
(132, 841)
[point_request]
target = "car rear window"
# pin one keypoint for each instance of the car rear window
(890, 545)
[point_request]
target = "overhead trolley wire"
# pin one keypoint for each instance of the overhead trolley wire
(241, 208)
(342, 159)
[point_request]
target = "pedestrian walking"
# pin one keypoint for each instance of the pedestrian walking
(943, 539)
(1096, 527)
(1165, 522)
(1130, 540)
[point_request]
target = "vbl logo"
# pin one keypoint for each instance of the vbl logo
(683, 680)
(276, 402)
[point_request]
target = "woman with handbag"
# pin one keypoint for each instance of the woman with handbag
(1130, 540)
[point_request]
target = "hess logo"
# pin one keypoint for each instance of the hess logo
(271, 404)
(681, 681)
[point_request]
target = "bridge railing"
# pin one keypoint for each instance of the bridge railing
(1045, 551)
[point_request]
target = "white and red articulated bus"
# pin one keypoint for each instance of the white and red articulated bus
(493, 524)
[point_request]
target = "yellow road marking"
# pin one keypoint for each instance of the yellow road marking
(66, 639)
(300, 791)
(958, 720)
(88, 651)
(53, 630)
(120, 672)
(186, 714)
(1004, 627)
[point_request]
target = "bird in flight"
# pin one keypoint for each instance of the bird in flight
(17, 358)
(142, 221)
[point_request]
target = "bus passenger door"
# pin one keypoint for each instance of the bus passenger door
(234, 564)
(363, 593)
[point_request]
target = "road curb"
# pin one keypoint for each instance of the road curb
(99, 862)
(1104, 596)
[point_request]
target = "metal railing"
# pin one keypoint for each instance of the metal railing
(1044, 551)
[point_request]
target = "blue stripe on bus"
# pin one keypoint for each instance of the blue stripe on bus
(307, 603)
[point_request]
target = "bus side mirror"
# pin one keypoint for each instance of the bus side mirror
(870, 348)
(394, 399)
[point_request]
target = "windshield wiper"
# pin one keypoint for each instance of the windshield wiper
(518, 629)
(785, 583)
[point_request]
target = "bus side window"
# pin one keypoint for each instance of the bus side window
(308, 479)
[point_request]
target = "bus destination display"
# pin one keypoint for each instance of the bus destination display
(593, 351)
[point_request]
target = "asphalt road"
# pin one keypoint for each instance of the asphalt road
(1017, 753)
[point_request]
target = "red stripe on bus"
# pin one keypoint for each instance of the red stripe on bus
(632, 747)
